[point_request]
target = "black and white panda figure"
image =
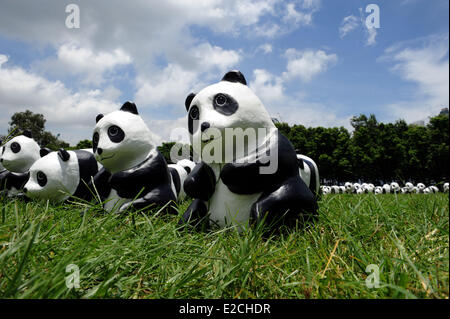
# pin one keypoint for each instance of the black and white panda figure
(16, 157)
(58, 176)
(134, 172)
(233, 191)
(309, 172)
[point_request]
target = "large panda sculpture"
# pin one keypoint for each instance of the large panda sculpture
(134, 172)
(17, 156)
(233, 192)
(58, 176)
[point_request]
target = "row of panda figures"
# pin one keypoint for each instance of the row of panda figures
(392, 188)
(124, 170)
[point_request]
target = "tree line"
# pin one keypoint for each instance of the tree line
(373, 152)
(376, 152)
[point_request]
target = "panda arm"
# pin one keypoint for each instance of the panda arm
(16, 180)
(201, 182)
(155, 198)
(101, 183)
(195, 215)
(292, 198)
(151, 174)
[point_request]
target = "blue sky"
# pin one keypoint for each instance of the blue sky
(311, 62)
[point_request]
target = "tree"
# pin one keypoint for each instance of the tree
(84, 144)
(28, 120)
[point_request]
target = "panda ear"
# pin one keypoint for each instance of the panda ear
(188, 101)
(27, 133)
(234, 76)
(129, 107)
(63, 154)
(98, 118)
(44, 151)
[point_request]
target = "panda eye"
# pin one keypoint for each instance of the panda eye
(41, 178)
(115, 134)
(15, 147)
(225, 104)
(194, 113)
(113, 131)
(221, 99)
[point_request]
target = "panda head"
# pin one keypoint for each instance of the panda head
(121, 139)
(55, 176)
(20, 153)
(227, 104)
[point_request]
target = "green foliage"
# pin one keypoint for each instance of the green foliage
(147, 256)
(183, 149)
(28, 120)
(376, 152)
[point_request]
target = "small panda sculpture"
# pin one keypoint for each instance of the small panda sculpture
(57, 176)
(17, 156)
(134, 172)
(234, 192)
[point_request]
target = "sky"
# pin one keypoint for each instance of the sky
(311, 62)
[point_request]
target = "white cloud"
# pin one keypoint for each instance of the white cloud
(348, 24)
(71, 114)
(371, 35)
(307, 64)
(266, 48)
(424, 63)
(3, 59)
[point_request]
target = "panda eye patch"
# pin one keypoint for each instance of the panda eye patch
(115, 134)
(194, 113)
(15, 147)
(41, 178)
(193, 117)
(225, 104)
(95, 140)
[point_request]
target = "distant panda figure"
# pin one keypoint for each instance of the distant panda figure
(133, 167)
(386, 188)
(395, 188)
(420, 187)
(445, 187)
(179, 172)
(233, 191)
(57, 176)
(378, 190)
(17, 156)
(349, 189)
(309, 173)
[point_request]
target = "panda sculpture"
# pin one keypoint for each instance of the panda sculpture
(309, 172)
(17, 156)
(57, 176)
(134, 173)
(233, 191)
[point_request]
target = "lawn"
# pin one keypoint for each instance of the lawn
(147, 256)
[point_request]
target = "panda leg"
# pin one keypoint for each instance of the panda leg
(195, 215)
(158, 197)
(293, 199)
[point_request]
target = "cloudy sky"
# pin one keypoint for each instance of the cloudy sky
(311, 62)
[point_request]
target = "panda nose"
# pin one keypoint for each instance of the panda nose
(204, 126)
(25, 190)
(99, 151)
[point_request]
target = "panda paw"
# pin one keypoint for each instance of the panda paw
(195, 215)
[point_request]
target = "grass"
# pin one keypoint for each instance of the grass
(147, 256)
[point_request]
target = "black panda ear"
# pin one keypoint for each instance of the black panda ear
(44, 151)
(129, 107)
(98, 118)
(234, 76)
(27, 133)
(188, 101)
(63, 154)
